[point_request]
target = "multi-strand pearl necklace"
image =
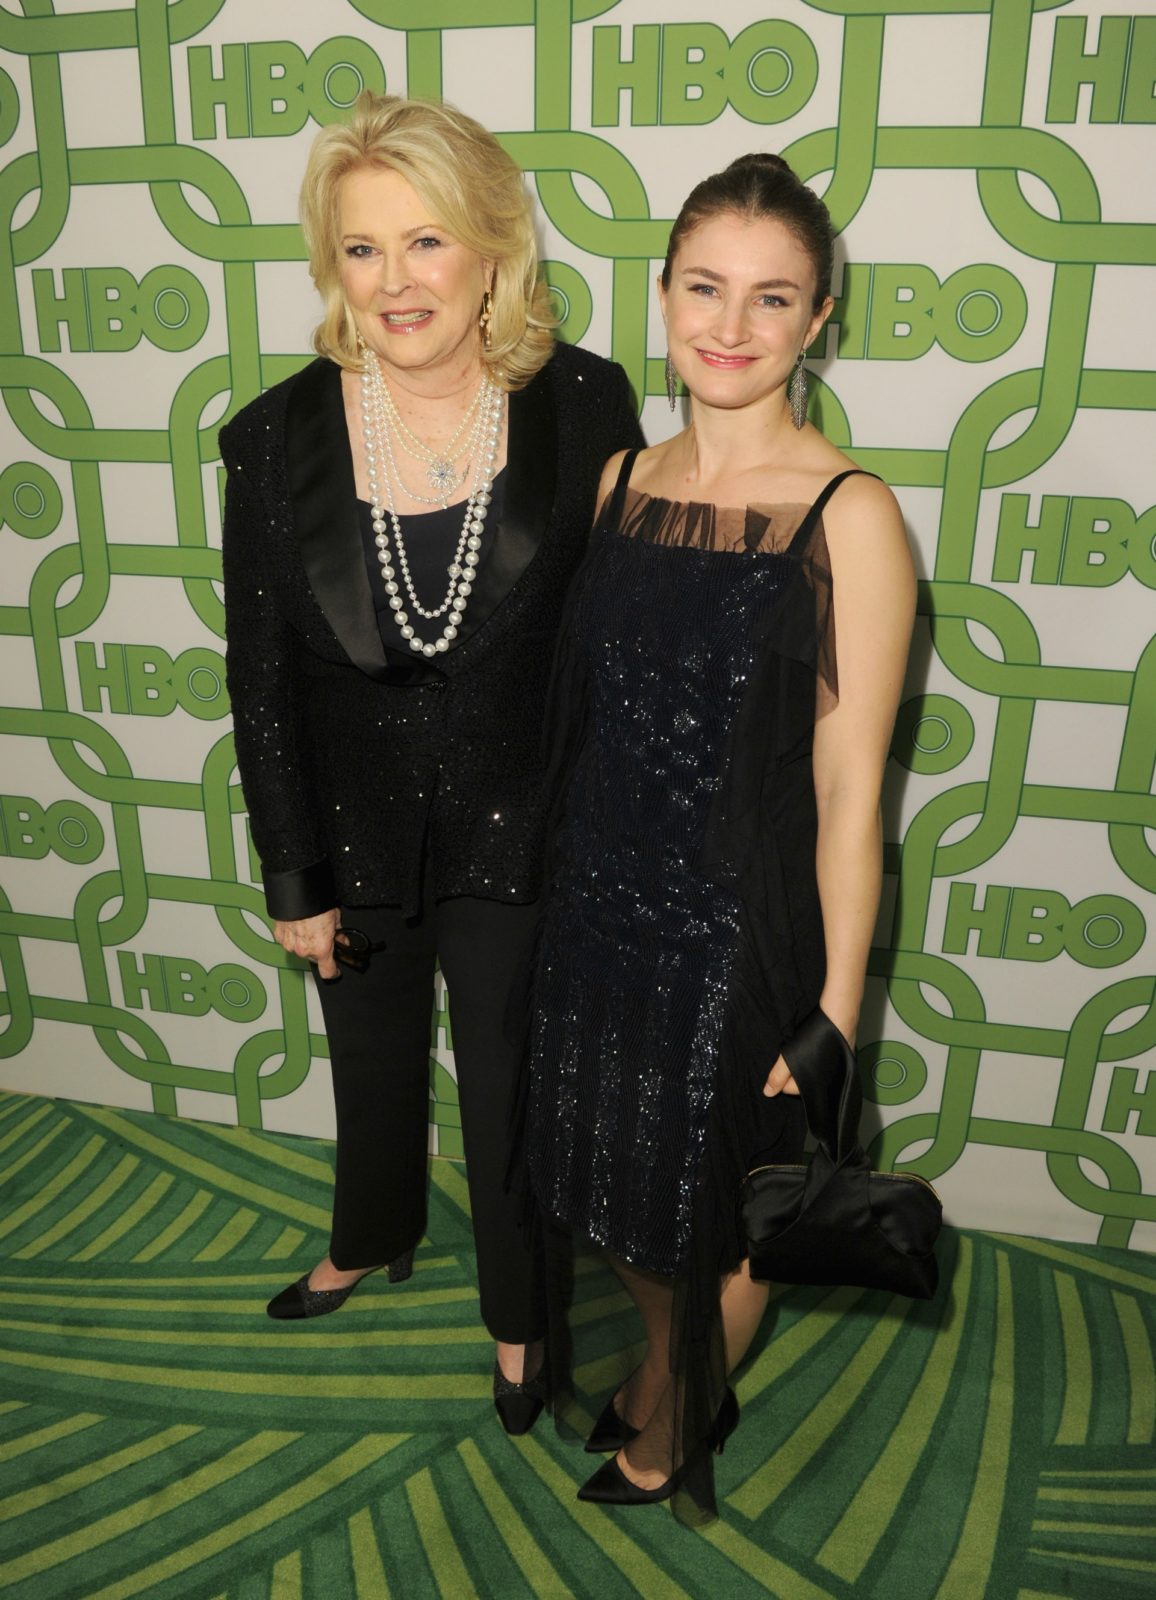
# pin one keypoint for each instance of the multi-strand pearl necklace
(441, 472)
(483, 448)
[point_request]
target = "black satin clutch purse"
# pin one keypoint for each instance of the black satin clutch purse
(837, 1220)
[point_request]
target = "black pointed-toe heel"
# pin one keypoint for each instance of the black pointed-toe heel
(518, 1404)
(610, 1432)
(610, 1486)
(299, 1300)
(398, 1270)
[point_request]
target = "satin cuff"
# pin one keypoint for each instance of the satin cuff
(301, 892)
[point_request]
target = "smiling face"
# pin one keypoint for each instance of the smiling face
(739, 308)
(415, 292)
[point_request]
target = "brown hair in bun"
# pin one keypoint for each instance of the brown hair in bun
(761, 185)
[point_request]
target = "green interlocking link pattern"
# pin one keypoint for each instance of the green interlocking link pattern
(151, 283)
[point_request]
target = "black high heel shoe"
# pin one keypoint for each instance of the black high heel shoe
(518, 1404)
(611, 1431)
(611, 1487)
(299, 1300)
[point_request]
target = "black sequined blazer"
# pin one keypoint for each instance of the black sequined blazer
(366, 770)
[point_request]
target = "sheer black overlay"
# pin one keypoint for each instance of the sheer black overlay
(696, 654)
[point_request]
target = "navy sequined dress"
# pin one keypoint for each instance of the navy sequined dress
(636, 944)
(682, 937)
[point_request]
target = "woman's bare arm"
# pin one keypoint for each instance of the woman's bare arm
(874, 589)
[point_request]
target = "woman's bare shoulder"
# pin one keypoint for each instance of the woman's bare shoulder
(861, 502)
(640, 472)
(867, 543)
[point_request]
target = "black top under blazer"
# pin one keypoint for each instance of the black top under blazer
(371, 774)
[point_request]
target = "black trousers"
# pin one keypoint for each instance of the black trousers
(378, 1026)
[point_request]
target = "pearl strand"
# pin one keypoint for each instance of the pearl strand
(393, 477)
(465, 547)
(440, 473)
(378, 449)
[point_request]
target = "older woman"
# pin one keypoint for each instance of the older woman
(402, 521)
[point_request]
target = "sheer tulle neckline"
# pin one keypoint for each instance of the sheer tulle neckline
(756, 529)
(765, 507)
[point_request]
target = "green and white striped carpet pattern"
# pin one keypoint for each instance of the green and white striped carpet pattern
(160, 1437)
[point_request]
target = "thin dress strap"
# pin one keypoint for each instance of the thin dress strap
(612, 516)
(806, 527)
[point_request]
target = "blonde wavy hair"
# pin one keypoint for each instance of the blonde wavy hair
(472, 188)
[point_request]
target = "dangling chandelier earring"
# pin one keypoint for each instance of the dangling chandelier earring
(797, 392)
(486, 318)
(671, 382)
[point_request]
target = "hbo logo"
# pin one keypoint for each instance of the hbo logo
(689, 72)
(274, 88)
(142, 679)
(184, 987)
(1089, 541)
(29, 831)
(1037, 924)
(1120, 70)
(106, 309)
(897, 312)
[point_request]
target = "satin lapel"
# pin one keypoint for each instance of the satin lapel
(324, 502)
(527, 504)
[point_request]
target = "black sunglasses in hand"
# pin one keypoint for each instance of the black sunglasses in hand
(353, 949)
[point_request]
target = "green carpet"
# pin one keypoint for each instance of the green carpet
(160, 1437)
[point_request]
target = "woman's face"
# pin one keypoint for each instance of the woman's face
(414, 290)
(739, 308)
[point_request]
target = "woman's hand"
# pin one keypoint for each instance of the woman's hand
(780, 1080)
(311, 937)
